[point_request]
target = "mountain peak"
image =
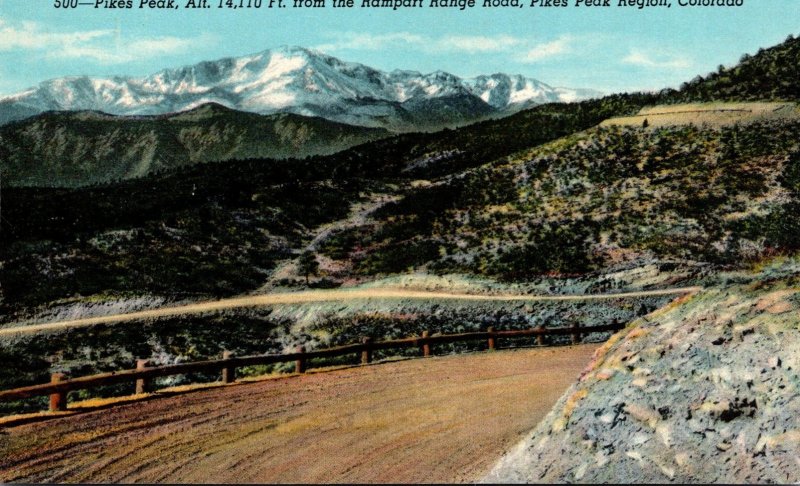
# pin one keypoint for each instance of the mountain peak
(290, 79)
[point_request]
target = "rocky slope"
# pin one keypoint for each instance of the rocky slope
(705, 390)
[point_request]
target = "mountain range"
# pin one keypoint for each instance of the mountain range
(300, 81)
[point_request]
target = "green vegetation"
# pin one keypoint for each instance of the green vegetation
(73, 149)
(494, 207)
(307, 264)
(217, 229)
(180, 236)
(769, 75)
(686, 193)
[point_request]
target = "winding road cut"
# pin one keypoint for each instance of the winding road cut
(311, 296)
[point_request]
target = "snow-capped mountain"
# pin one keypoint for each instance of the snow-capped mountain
(505, 92)
(296, 80)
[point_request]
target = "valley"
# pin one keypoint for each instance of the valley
(67, 149)
(673, 211)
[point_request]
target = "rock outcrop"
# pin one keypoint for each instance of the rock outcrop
(704, 390)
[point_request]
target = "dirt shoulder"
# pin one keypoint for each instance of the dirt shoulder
(320, 296)
(441, 419)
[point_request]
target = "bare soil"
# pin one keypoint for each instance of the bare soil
(441, 419)
(713, 114)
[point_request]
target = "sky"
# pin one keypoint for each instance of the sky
(612, 49)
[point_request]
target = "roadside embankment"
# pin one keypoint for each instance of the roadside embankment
(701, 391)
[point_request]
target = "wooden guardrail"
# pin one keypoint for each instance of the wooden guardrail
(143, 375)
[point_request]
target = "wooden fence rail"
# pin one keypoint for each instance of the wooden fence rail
(143, 375)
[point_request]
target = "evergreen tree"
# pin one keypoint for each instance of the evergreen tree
(307, 264)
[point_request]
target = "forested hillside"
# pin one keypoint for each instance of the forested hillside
(769, 75)
(72, 149)
(595, 199)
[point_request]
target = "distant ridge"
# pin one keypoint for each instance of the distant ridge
(88, 147)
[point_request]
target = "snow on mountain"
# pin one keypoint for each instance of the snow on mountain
(297, 80)
(502, 91)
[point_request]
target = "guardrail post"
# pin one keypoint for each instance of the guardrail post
(300, 364)
(228, 371)
(143, 385)
(366, 353)
(58, 401)
(540, 336)
(576, 334)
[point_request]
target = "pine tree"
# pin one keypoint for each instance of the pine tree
(307, 264)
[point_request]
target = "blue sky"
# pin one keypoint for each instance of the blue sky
(612, 49)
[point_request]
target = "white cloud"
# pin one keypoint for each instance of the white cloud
(560, 46)
(470, 44)
(122, 51)
(103, 46)
(478, 43)
(28, 35)
(428, 44)
(638, 57)
(371, 42)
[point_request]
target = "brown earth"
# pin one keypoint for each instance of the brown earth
(713, 114)
(441, 419)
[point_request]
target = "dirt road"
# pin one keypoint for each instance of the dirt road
(441, 419)
(319, 296)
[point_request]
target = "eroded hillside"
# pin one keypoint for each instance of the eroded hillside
(702, 391)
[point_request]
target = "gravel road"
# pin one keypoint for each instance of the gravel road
(440, 419)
